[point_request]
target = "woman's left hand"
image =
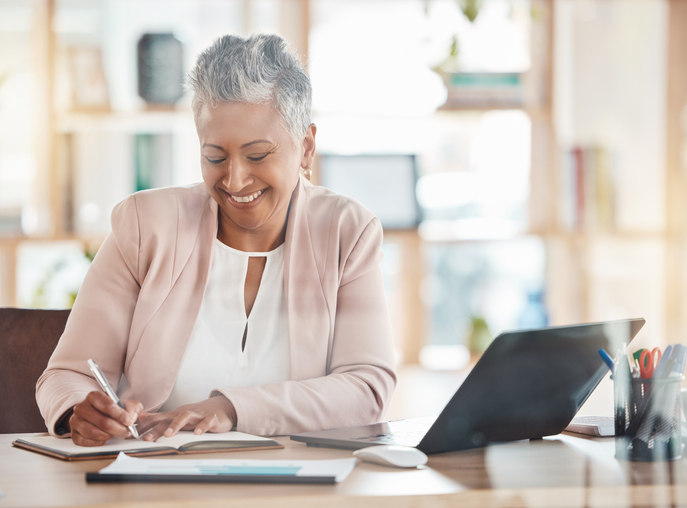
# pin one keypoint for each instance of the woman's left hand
(216, 414)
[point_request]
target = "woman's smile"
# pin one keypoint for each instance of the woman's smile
(245, 200)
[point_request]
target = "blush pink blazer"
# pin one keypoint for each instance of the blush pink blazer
(139, 301)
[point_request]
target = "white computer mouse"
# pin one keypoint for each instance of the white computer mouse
(392, 455)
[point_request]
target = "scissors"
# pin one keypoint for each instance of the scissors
(648, 361)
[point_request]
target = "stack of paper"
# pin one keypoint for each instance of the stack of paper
(130, 469)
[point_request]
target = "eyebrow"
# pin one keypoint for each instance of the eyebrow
(210, 145)
(255, 142)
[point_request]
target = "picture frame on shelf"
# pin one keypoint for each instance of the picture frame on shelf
(88, 82)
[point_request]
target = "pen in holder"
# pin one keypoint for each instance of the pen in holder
(647, 417)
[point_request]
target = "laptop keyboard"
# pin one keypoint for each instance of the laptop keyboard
(405, 433)
(407, 440)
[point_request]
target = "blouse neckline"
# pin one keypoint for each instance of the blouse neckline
(244, 253)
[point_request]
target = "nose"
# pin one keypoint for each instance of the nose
(237, 177)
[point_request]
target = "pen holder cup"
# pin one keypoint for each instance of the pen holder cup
(648, 418)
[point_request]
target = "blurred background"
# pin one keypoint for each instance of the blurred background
(527, 158)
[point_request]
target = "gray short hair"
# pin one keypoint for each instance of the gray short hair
(258, 70)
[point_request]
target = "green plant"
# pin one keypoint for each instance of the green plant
(470, 8)
(480, 337)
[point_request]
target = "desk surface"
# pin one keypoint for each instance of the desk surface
(563, 470)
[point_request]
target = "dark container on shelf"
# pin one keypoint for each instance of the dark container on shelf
(160, 68)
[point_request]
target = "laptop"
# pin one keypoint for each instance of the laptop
(528, 384)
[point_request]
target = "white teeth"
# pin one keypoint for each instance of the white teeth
(246, 199)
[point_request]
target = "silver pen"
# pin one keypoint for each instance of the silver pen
(102, 381)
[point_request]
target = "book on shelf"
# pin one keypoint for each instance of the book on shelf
(182, 443)
(588, 189)
(483, 89)
(153, 160)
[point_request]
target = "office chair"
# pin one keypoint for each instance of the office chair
(27, 339)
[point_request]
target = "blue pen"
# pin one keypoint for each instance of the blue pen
(676, 361)
(681, 354)
(664, 362)
(607, 359)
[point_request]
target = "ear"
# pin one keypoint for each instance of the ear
(309, 147)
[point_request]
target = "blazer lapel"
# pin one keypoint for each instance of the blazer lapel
(308, 315)
(173, 309)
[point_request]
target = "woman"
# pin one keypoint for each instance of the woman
(252, 302)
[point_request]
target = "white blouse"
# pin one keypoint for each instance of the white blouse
(214, 357)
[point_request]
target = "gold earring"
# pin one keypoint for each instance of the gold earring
(307, 172)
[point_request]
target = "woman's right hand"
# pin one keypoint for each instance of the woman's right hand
(98, 418)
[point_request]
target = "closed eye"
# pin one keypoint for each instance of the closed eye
(258, 157)
(215, 160)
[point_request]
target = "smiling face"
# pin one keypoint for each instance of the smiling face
(250, 165)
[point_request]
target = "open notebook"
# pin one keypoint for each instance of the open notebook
(182, 443)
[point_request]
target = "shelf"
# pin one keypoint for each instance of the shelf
(596, 235)
(481, 230)
(480, 105)
(153, 121)
(13, 241)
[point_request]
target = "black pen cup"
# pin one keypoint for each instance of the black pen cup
(648, 418)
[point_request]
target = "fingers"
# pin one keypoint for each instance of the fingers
(99, 411)
(98, 418)
(169, 424)
(104, 405)
(84, 433)
(165, 425)
(151, 426)
(133, 410)
(184, 420)
(207, 424)
(220, 415)
(125, 416)
(216, 414)
(154, 432)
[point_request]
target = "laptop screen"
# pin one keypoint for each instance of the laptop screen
(528, 384)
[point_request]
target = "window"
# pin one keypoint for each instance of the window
(382, 87)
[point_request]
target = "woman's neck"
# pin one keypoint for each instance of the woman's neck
(250, 241)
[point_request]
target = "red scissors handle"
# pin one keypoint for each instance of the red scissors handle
(648, 361)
